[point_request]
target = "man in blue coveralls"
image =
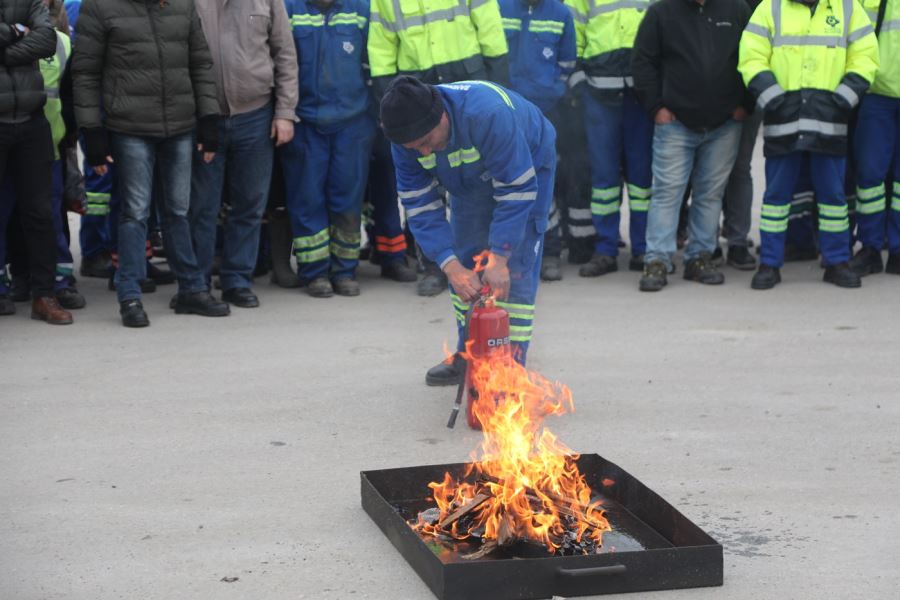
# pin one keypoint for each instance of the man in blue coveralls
(495, 154)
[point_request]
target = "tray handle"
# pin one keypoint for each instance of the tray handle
(590, 572)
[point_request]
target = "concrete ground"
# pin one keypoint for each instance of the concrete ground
(151, 464)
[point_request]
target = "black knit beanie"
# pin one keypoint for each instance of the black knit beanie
(410, 109)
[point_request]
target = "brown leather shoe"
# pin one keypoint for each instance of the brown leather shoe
(48, 309)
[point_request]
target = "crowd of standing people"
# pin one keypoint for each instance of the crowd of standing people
(234, 134)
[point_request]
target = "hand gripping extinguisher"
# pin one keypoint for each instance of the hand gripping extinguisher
(486, 332)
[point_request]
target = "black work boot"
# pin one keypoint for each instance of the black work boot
(433, 283)
(703, 270)
(654, 278)
(200, 303)
(867, 262)
(99, 265)
(842, 275)
(551, 268)
(7, 306)
(636, 263)
(765, 278)
(740, 258)
(133, 315)
(345, 286)
(893, 264)
(320, 287)
(240, 296)
(398, 270)
(447, 372)
(600, 264)
(69, 298)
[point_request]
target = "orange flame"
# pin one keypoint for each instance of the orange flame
(535, 490)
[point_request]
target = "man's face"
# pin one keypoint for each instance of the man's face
(436, 139)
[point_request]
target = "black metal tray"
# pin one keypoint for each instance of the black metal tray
(652, 545)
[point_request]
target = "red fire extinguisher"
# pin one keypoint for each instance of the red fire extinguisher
(487, 332)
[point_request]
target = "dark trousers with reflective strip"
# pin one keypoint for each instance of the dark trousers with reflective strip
(876, 144)
(95, 234)
(385, 231)
(325, 176)
(620, 142)
(471, 223)
(827, 177)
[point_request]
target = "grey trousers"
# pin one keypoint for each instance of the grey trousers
(738, 201)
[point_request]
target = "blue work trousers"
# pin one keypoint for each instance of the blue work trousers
(876, 145)
(385, 231)
(96, 235)
(325, 174)
(135, 158)
(620, 141)
(827, 176)
(242, 167)
(470, 220)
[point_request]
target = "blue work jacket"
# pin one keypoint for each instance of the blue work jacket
(542, 49)
(498, 140)
(331, 51)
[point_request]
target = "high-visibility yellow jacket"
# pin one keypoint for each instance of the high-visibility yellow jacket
(808, 70)
(605, 32)
(887, 81)
(438, 41)
(52, 70)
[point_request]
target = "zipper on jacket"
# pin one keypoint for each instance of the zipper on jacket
(162, 70)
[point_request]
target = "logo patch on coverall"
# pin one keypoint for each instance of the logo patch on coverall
(548, 53)
(348, 47)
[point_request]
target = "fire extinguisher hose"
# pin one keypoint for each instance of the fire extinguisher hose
(460, 390)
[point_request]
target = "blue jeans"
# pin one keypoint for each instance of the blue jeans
(705, 159)
(242, 169)
(135, 158)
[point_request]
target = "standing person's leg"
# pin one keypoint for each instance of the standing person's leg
(713, 162)
(638, 142)
(737, 205)
(96, 225)
(174, 161)
(207, 183)
(64, 285)
(281, 239)
(573, 175)
(782, 174)
(348, 169)
(250, 158)
(834, 221)
(893, 225)
(673, 160)
(7, 201)
(605, 138)
(874, 141)
(305, 164)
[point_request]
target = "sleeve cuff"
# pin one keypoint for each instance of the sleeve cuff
(445, 257)
(283, 113)
(501, 251)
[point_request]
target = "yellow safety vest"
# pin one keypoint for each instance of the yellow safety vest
(52, 70)
(414, 36)
(807, 71)
(604, 33)
(887, 81)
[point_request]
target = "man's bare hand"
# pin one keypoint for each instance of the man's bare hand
(282, 131)
(103, 169)
(664, 116)
(496, 276)
(739, 114)
(465, 282)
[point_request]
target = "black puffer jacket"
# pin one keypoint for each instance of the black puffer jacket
(146, 63)
(21, 84)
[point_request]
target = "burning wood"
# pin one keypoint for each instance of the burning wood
(524, 486)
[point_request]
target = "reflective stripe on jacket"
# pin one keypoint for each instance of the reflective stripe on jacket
(331, 47)
(52, 70)
(413, 36)
(542, 53)
(606, 30)
(807, 71)
(498, 140)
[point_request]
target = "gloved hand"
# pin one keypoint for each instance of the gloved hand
(208, 133)
(96, 146)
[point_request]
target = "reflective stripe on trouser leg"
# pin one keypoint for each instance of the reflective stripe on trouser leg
(801, 231)
(639, 205)
(827, 174)
(871, 213)
(553, 235)
(893, 215)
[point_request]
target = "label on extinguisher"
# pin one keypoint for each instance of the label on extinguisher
(497, 342)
